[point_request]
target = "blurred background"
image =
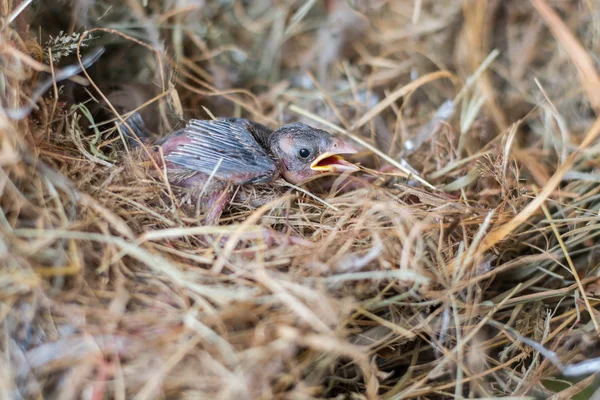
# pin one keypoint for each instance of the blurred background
(470, 228)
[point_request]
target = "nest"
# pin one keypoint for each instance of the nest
(460, 262)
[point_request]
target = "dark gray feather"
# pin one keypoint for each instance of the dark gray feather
(228, 145)
(260, 132)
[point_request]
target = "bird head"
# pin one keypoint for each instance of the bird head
(303, 152)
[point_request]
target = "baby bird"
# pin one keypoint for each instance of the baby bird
(209, 156)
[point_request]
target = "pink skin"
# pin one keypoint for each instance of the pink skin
(216, 205)
(215, 196)
(171, 142)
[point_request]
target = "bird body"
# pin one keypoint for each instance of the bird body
(212, 156)
(226, 149)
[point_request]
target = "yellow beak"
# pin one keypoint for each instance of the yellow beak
(331, 161)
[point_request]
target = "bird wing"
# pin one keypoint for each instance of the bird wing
(260, 132)
(224, 148)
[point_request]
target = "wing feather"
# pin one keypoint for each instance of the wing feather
(243, 160)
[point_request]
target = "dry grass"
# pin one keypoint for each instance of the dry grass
(387, 284)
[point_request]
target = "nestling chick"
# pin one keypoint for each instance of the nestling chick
(209, 156)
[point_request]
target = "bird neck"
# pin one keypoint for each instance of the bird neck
(271, 144)
(274, 149)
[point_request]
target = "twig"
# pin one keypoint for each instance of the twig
(59, 75)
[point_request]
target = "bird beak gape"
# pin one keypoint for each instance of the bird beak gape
(331, 161)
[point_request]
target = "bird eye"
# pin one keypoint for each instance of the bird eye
(304, 153)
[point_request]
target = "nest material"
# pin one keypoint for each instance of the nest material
(372, 286)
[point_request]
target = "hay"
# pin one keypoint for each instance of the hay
(460, 262)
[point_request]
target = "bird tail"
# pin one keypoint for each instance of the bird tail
(134, 131)
(124, 98)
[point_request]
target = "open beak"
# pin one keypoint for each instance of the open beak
(331, 161)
